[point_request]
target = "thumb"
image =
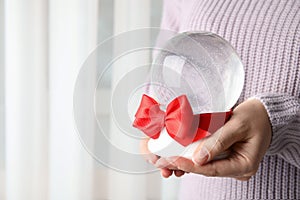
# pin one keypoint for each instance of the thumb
(215, 146)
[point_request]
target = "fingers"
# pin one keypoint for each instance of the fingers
(234, 167)
(148, 156)
(179, 173)
(176, 163)
(221, 168)
(245, 135)
(167, 168)
(218, 143)
(152, 158)
(231, 167)
(166, 173)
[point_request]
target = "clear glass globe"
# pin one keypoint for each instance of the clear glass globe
(202, 66)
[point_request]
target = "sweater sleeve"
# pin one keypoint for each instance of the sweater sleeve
(171, 15)
(284, 114)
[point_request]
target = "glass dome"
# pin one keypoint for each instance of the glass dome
(202, 66)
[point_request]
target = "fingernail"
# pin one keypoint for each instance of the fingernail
(150, 161)
(170, 159)
(201, 157)
(161, 163)
(158, 163)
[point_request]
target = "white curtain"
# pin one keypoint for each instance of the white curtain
(43, 43)
(26, 49)
(2, 143)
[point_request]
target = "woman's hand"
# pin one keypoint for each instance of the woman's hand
(152, 158)
(247, 134)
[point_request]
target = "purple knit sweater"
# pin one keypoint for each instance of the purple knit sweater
(266, 34)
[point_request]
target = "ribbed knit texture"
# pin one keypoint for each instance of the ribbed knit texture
(266, 35)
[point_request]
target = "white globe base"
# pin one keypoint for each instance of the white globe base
(165, 146)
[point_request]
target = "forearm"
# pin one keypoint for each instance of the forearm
(284, 114)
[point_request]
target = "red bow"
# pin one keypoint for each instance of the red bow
(181, 124)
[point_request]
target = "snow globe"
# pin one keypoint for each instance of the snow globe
(196, 79)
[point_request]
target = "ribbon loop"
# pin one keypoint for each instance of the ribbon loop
(149, 118)
(180, 122)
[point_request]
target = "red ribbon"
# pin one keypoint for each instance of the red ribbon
(181, 124)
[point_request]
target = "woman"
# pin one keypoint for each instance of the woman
(264, 131)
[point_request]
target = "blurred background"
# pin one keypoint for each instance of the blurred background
(43, 43)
